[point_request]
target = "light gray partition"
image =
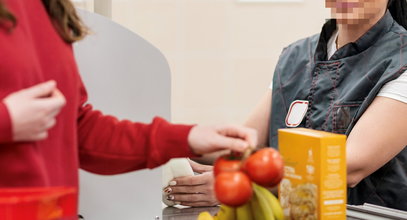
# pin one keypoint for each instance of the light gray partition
(129, 78)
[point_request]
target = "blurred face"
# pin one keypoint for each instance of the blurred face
(356, 11)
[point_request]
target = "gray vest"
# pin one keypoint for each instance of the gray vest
(339, 91)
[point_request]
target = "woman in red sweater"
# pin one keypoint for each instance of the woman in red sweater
(47, 128)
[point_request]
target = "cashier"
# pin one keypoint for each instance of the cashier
(47, 128)
(350, 79)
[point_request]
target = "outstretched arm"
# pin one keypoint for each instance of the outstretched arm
(110, 146)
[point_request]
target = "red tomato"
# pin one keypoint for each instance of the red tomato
(233, 188)
(265, 167)
(226, 164)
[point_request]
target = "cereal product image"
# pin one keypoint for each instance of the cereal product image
(314, 183)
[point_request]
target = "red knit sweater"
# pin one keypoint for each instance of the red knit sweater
(33, 53)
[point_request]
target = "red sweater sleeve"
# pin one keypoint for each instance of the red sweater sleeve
(5, 124)
(110, 146)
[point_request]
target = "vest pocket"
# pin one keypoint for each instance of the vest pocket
(343, 115)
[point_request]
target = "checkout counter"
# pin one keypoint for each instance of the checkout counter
(365, 212)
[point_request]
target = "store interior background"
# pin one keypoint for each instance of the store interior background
(222, 53)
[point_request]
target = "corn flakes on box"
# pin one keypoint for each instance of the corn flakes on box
(314, 183)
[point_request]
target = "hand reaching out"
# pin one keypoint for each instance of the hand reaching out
(207, 139)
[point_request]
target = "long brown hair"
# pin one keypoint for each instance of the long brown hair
(63, 15)
(6, 16)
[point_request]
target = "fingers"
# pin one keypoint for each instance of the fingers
(185, 189)
(55, 101)
(50, 123)
(40, 90)
(53, 104)
(54, 112)
(47, 95)
(199, 168)
(223, 142)
(51, 110)
(33, 111)
(247, 134)
(40, 136)
(196, 197)
(193, 180)
(199, 204)
(42, 132)
(193, 191)
(205, 139)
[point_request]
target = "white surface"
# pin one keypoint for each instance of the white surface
(396, 89)
(331, 47)
(174, 168)
(127, 77)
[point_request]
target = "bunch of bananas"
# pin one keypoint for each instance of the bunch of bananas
(262, 206)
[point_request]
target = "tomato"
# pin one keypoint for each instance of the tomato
(226, 164)
(233, 188)
(265, 167)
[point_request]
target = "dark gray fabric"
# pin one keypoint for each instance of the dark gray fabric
(339, 91)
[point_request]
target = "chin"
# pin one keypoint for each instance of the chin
(348, 21)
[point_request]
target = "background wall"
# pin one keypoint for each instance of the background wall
(222, 53)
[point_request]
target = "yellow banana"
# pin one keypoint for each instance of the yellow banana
(226, 213)
(274, 203)
(256, 210)
(276, 207)
(244, 212)
(205, 216)
(260, 206)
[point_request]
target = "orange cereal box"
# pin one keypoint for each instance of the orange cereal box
(314, 183)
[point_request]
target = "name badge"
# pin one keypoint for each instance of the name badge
(296, 113)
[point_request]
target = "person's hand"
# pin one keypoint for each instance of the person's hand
(33, 111)
(208, 139)
(195, 190)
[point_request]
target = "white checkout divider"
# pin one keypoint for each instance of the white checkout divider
(127, 77)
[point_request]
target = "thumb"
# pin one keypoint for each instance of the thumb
(40, 90)
(199, 168)
(56, 100)
(231, 143)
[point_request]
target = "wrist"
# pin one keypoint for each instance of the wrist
(173, 139)
(193, 141)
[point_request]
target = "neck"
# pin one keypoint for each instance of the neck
(348, 32)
